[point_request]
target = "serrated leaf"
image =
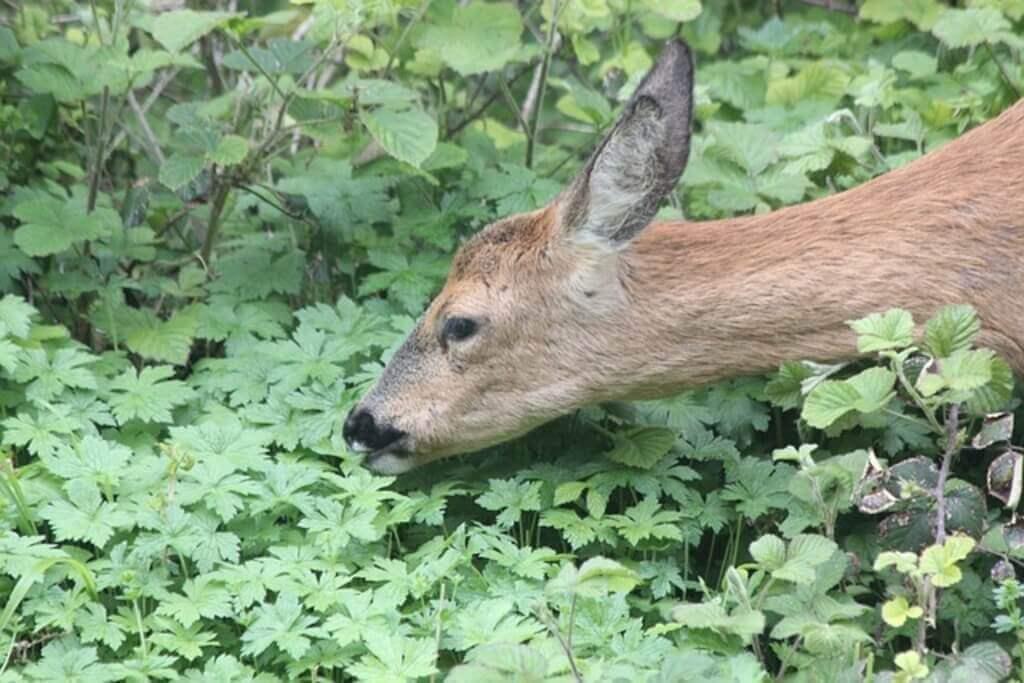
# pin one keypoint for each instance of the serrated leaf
(479, 37)
(409, 135)
(181, 169)
(642, 447)
(178, 29)
(50, 225)
(893, 329)
(969, 27)
(953, 328)
(231, 150)
(769, 551)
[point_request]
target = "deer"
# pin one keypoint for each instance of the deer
(590, 299)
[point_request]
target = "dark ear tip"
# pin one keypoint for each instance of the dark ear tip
(676, 54)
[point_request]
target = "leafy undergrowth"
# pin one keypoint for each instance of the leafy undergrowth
(216, 225)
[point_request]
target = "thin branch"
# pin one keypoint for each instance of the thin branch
(146, 130)
(470, 118)
(99, 155)
(424, 6)
(531, 138)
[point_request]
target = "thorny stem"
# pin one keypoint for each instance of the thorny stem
(929, 593)
(952, 443)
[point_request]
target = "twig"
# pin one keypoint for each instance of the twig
(150, 100)
(424, 6)
(470, 118)
(511, 101)
(146, 130)
(531, 138)
(210, 64)
(97, 164)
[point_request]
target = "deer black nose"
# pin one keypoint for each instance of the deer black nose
(364, 434)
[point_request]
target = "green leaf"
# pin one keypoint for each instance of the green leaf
(147, 335)
(940, 561)
(969, 27)
(874, 387)
(676, 10)
(642, 447)
(409, 135)
(741, 622)
(85, 517)
(909, 663)
(893, 329)
(148, 395)
(284, 624)
(395, 659)
(769, 551)
(922, 13)
(480, 37)
(953, 328)
(178, 29)
(51, 225)
(897, 611)
(963, 371)
(595, 578)
(231, 150)
(181, 169)
(866, 392)
(15, 316)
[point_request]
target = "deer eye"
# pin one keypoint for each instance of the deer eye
(458, 329)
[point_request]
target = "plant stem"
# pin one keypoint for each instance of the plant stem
(142, 631)
(220, 198)
(98, 153)
(1002, 70)
(952, 447)
(549, 620)
(531, 137)
(916, 397)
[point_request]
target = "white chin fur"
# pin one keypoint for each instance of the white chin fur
(390, 464)
(359, 447)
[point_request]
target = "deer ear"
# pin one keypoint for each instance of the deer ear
(618, 191)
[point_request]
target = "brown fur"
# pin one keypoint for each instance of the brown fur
(568, 319)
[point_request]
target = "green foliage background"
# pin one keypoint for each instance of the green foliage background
(217, 221)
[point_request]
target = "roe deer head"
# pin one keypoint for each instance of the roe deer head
(587, 300)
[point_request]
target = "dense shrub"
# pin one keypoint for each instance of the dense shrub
(217, 222)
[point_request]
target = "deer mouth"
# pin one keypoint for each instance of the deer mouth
(398, 449)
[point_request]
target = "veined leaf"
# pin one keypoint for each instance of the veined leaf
(409, 135)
